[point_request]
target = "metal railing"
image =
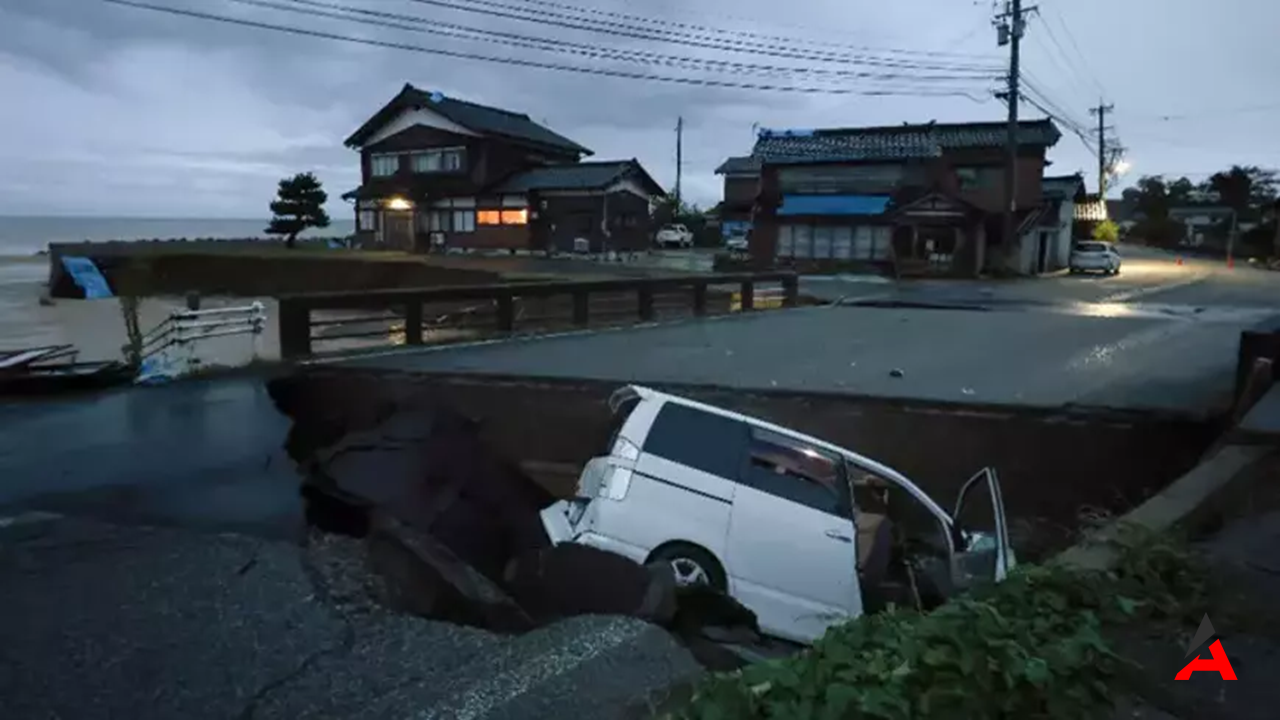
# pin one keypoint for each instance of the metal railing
(170, 347)
(470, 311)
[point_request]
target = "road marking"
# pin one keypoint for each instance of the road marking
(1127, 295)
(28, 518)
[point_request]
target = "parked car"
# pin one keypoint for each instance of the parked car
(804, 533)
(1094, 256)
(736, 243)
(674, 236)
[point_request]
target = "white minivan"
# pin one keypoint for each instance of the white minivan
(804, 533)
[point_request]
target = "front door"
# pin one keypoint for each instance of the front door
(398, 229)
(791, 553)
(983, 552)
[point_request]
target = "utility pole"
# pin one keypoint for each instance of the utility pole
(1103, 158)
(679, 158)
(1010, 26)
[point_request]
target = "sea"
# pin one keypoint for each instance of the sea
(96, 327)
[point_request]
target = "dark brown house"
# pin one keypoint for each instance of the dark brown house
(439, 173)
(924, 197)
(741, 183)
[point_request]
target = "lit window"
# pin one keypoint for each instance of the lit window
(515, 217)
(384, 165)
(488, 217)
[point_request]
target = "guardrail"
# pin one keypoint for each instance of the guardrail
(481, 310)
(183, 329)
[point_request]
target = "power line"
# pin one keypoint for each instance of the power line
(318, 8)
(1084, 61)
(630, 18)
(926, 92)
(509, 12)
(1061, 61)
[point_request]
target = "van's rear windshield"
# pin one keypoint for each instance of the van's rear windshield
(620, 418)
(1090, 247)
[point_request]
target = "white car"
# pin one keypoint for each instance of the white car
(1094, 256)
(674, 236)
(736, 243)
(804, 533)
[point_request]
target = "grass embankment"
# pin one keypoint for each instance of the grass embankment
(1035, 646)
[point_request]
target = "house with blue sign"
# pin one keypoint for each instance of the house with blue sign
(926, 199)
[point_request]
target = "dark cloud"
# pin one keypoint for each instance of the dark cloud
(130, 112)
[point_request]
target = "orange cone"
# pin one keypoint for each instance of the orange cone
(1179, 259)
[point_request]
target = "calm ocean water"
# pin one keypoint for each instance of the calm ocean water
(25, 236)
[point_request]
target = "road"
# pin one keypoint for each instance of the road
(1160, 336)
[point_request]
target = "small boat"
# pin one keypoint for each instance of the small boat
(53, 369)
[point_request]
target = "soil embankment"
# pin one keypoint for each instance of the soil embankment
(1052, 465)
(238, 269)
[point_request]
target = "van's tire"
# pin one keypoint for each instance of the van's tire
(691, 565)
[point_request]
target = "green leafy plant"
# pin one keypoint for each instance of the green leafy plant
(1030, 647)
(1106, 231)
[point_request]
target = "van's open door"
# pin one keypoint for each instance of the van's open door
(980, 532)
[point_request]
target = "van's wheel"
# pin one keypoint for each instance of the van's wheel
(691, 565)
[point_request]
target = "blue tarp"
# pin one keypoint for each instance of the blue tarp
(728, 228)
(86, 275)
(833, 204)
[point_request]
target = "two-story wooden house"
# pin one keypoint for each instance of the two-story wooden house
(741, 183)
(439, 173)
(926, 197)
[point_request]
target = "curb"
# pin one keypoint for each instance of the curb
(1192, 500)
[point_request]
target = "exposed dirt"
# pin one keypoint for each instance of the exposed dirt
(1052, 465)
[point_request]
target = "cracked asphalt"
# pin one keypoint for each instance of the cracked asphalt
(103, 620)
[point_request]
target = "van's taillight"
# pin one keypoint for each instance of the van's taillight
(624, 449)
(616, 483)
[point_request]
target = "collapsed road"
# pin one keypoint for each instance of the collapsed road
(94, 607)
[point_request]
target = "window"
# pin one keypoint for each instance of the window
(822, 242)
(976, 177)
(786, 242)
(700, 440)
(880, 238)
(515, 217)
(447, 221)
(434, 161)
(502, 217)
(790, 469)
(384, 165)
(842, 242)
(803, 235)
(366, 220)
(464, 221)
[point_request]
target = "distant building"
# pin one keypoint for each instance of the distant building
(741, 183)
(926, 198)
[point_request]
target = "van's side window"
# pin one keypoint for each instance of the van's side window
(790, 469)
(701, 440)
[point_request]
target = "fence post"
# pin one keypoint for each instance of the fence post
(790, 290)
(295, 329)
(581, 307)
(699, 299)
(413, 322)
(645, 296)
(506, 312)
(748, 294)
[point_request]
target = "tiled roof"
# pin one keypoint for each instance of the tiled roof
(577, 176)
(899, 142)
(480, 118)
(739, 165)
(1063, 186)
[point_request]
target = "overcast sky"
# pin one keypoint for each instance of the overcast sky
(111, 110)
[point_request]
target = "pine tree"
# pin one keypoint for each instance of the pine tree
(299, 205)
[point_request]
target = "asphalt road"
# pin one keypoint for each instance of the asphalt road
(1123, 342)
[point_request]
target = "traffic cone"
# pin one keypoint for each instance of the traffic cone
(1231, 262)
(1179, 260)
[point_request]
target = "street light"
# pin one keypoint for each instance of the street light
(1122, 167)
